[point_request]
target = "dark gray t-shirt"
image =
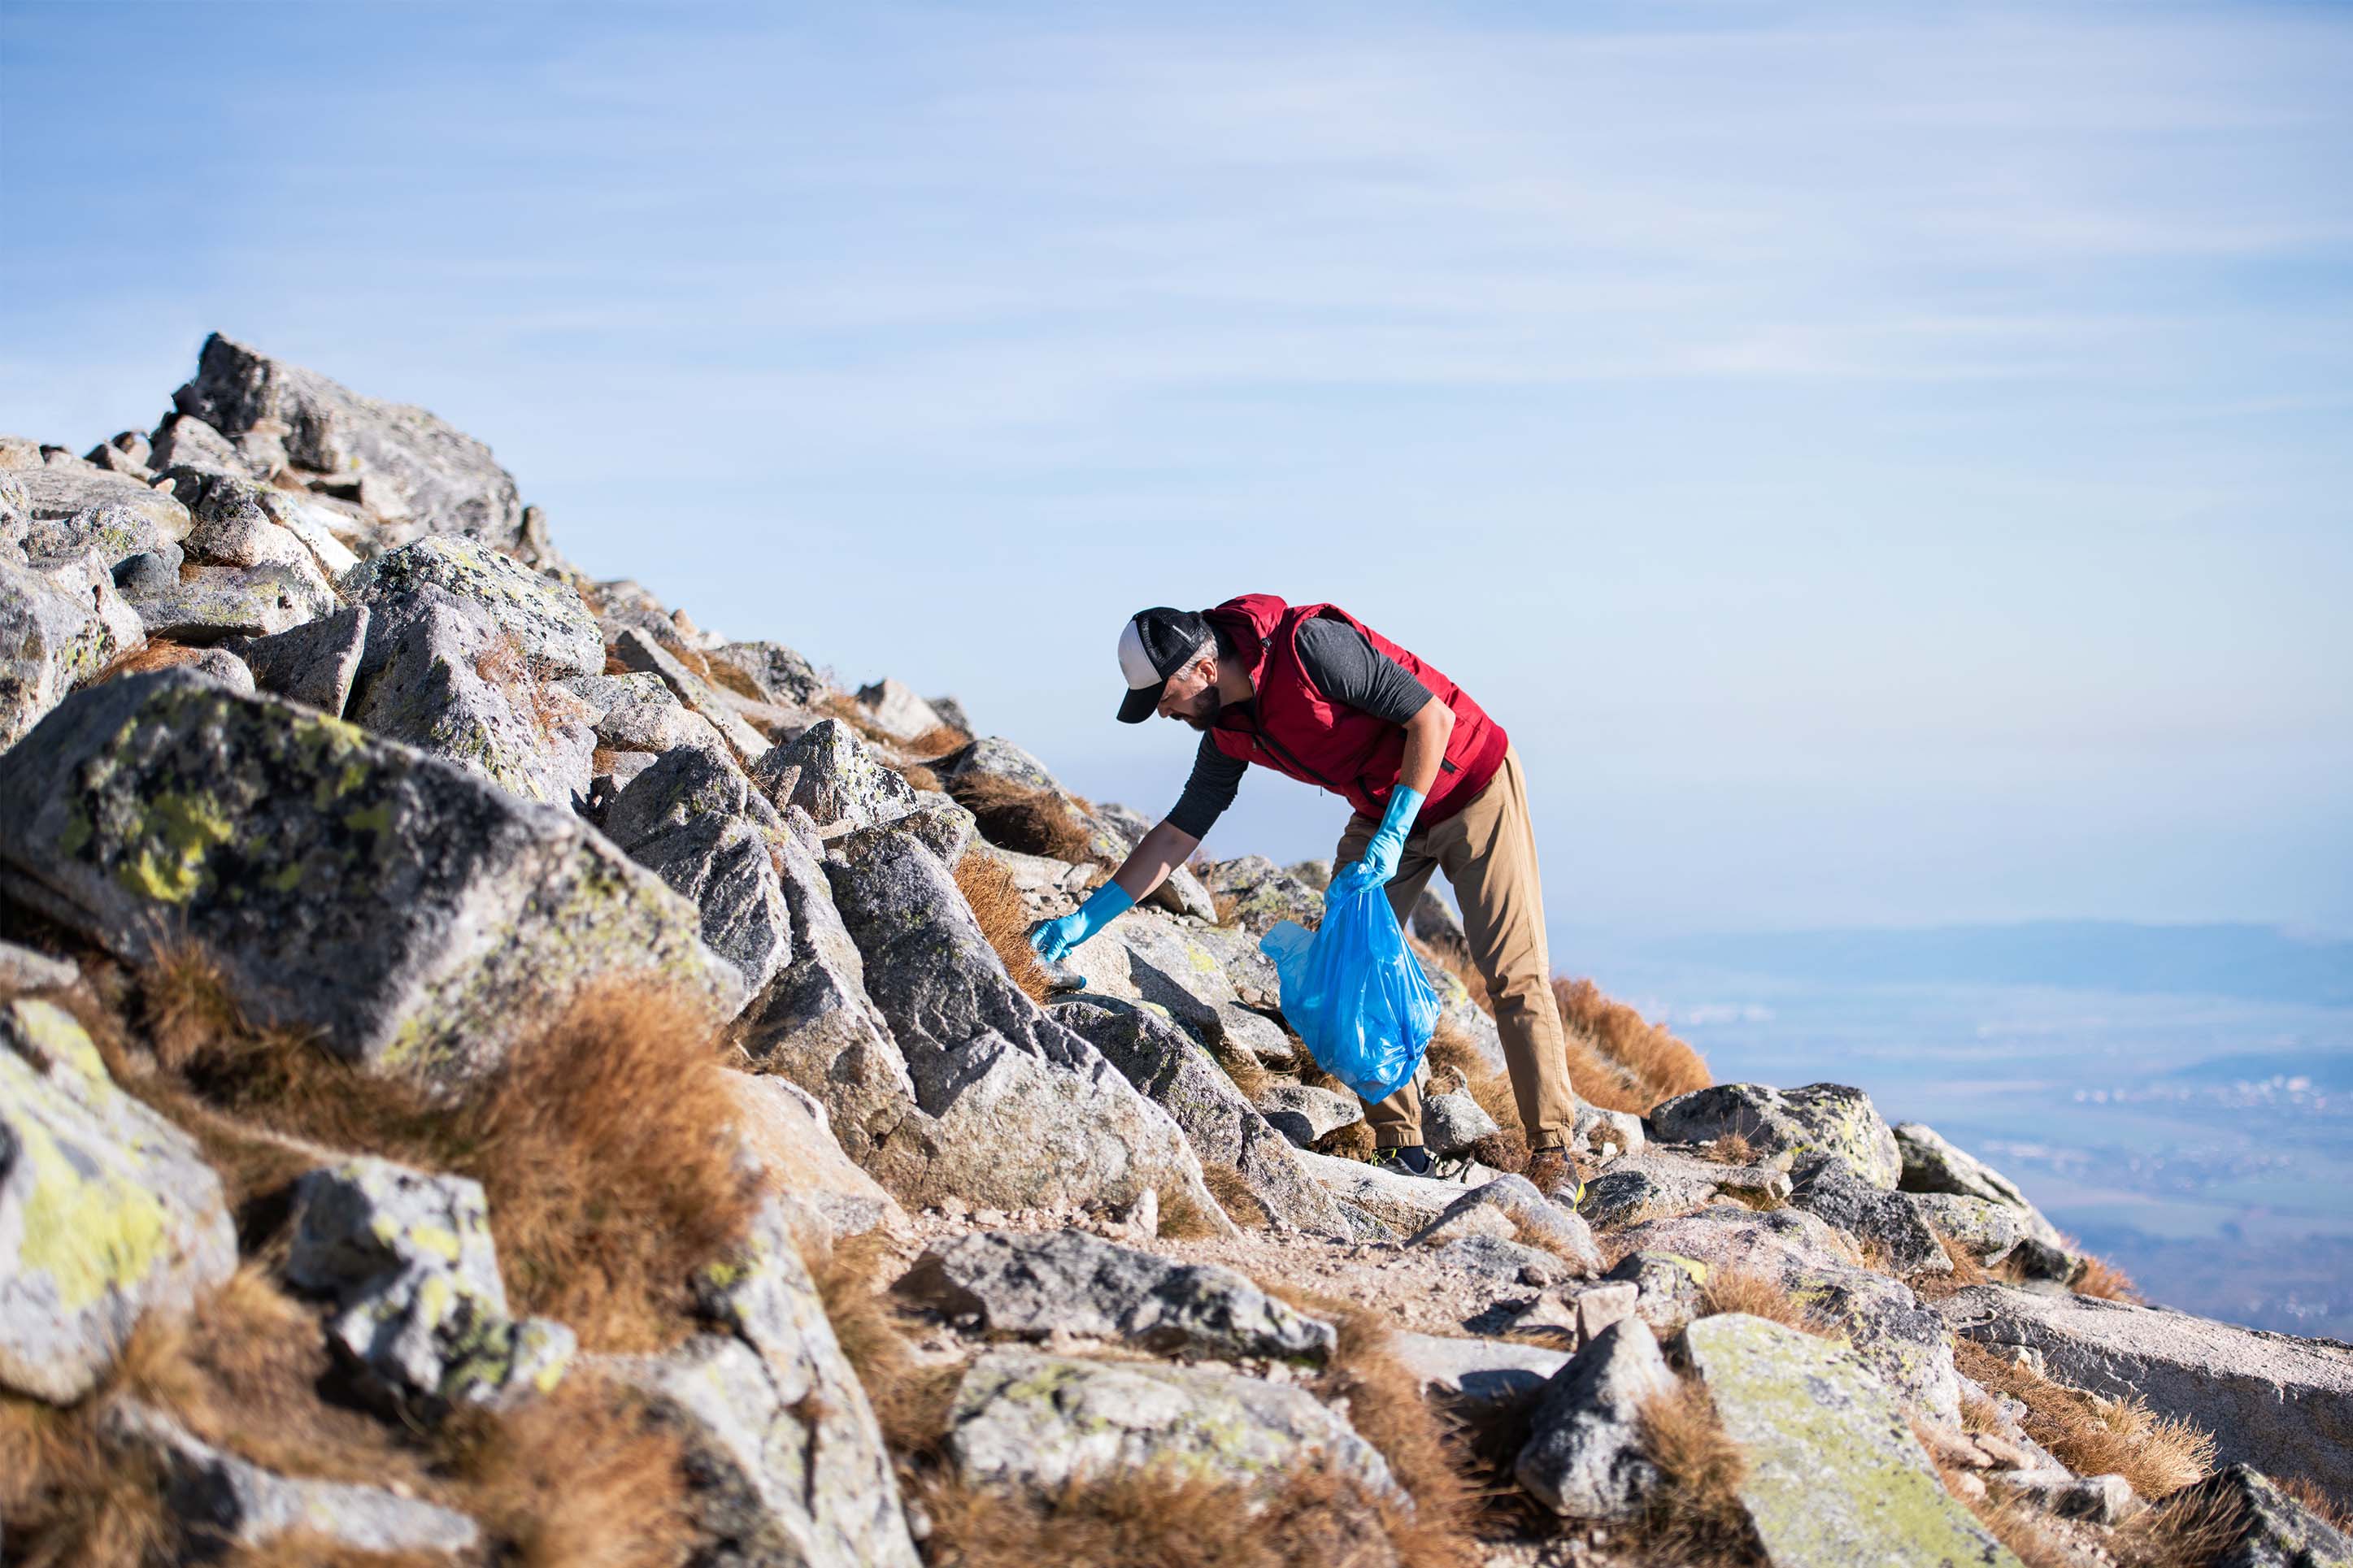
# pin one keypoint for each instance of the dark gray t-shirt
(1346, 667)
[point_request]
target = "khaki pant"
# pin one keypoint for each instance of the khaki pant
(1488, 851)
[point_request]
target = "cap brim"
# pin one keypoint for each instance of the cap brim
(1140, 703)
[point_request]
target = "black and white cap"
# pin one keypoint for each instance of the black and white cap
(1154, 646)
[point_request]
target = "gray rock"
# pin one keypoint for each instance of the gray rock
(2095, 1499)
(1031, 1285)
(1986, 1231)
(437, 673)
(1834, 1474)
(1818, 1119)
(126, 453)
(654, 721)
(409, 1259)
(113, 530)
(942, 826)
(1405, 1203)
(1904, 1343)
(1263, 893)
(1499, 1262)
(1597, 1130)
(726, 867)
(314, 663)
(1930, 1164)
(1452, 1123)
(1655, 1184)
(22, 969)
(1828, 1187)
(221, 1501)
(1038, 1422)
(183, 442)
(207, 603)
(686, 787)
(2267, 1527)
(838, 779)
(1534, 1218)
(786, 1141)
(553, 629)
(235, 525)
(414, 472)
(63, 496)
(893, 707)
(1165, 1065)
(1476, 1379)
(786, 1459)
(1305, 1114)
(639, 651)
(778, 673)
(817, 1026)
(994, 758)
(50, 640)
(416, 919)
(1023, 1113)
(107, 1213)
(1667, 1288)
(1584, 1455)
(2283, 1404)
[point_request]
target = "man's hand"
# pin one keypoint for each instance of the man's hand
(1379, 862)
(1055, 939)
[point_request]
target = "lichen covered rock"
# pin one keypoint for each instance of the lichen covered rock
(107, 1212)
(1834, 1474)
(1818, 1119)
(416, 919)
(50, 639)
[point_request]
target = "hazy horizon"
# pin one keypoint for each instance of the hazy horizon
(1887, 466)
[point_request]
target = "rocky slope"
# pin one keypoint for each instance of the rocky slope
(496, 1073)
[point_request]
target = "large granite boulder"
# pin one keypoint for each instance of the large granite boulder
(553, 629)
(776, 671)
(991, 775)
(70, 509)
(783, 1450)
(414, 917)
(1833, 1475)
(834, 776)
(1145, 956)
(1882, 1223)
(1932, 1165)
(422, 1309)
(1262, 894)
(1038, 1422)
(817, 1026)
(52, 638)
(1524, 1214)
(644, 654)
(1022, 1114)
(1818, 1119)
(107, 1211)
(1584, 1455)
(2282, 1403)
(414, 472)
(1165, 1064)
(1034, 1285)
(439, 674)
(694, 821)
(313, 664)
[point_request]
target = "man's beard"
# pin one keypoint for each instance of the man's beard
(1217, 704)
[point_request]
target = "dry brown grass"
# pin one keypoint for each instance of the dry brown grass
(603, 1144)
(1966, 1271)
(1164, 1517)
(910, 1400)
(1234, 1196)
(938, 742)
(70, 1500)
(1182, 1217)
(1225, 904)
(1642, 1062)
(727, 677)
(841, 705)
(1427, 1456)
(2091, 1435)
(1746, 1291)
(2100, 1277)
(1732, 1149)
(1243, 1067)
(2016, 1525)
(1694, 1517)
(917, 776)
(154, 653)
(1004, 919)
(2339, 1515)
(581, 1479)
(305, 1549)
(1029, 821)
(2188, 1531)
(1450, 1051)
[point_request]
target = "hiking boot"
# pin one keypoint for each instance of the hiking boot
(1557, 1175)
(1406, 1160)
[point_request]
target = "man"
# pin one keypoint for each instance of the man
(1311, 691)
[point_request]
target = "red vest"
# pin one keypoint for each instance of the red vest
(1295, 729)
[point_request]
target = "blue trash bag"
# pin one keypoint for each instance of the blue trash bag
(1355, 992)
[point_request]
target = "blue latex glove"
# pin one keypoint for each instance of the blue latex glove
(1381, 858)
(1054, 938)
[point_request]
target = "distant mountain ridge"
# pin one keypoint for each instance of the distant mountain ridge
(2257, 962)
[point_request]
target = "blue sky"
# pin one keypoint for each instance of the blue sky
(1883, 464)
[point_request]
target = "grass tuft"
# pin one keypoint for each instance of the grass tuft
(1003, 917)
(1028, 820)
(1234, 1196)
(1755, 1295)
(2103, 1279)
(584, 1477)
(153, 654)
(1694, 1517)
(1732, 1149)
(1634, 1063)
(2091, 1435)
